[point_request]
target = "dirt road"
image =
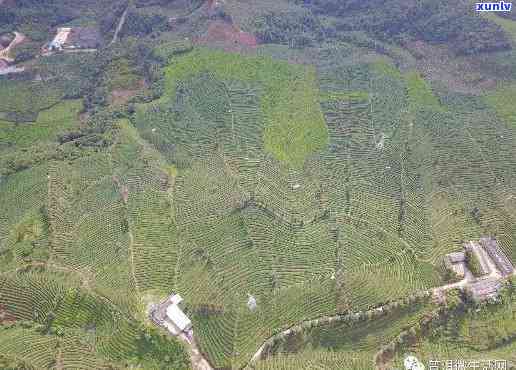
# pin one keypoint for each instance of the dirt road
(438, 292)
(119, 26)
(196, 357)
(18, 38)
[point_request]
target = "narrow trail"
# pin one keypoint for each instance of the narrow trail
(59, 359)
(18, 38)
(131, 257)
(323, 320)
(197, 359)
(120, 25)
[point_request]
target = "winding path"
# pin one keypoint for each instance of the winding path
(18, 38)
(437, 292)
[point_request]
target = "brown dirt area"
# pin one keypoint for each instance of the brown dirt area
(5, 316)
(228, 36)
(18, 39)
(122, 96)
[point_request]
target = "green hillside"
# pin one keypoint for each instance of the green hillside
(295, 170)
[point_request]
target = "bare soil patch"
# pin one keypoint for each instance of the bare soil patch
(121, 96)
(5, 316)
(18, 39)
(228, 36)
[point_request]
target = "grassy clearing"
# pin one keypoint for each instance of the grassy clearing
(502, 100)
(21, 101)
(420, 94)
(386, 68)
(508, 25)
(49, 124)
(294, 124)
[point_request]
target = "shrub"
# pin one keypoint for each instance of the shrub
(473, 264)
(142, 24)
(26, 51)
(298, 29)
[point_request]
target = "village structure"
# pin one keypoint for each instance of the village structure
(169, 315)
(74, 39)
(494, 268)
(67, 39)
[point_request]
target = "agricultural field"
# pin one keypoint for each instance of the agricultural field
(483, 333)
(298, 182)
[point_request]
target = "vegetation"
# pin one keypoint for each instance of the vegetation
(324, 175)
(62, 323)
(501, 101)
(431, 21)
(292, 122)
(295, 29)
(37, 19)
(49, 123)
(473, 264)
(141, 24)
(478, 332)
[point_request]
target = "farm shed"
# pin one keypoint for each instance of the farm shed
(176, 315)
(76, 38)
(457, 257)
(497, 255)
(456, 262)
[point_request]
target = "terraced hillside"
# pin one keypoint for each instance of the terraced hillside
(360, 220)
(483, 334)
(310, 185)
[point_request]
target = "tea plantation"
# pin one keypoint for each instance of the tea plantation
(299, 194)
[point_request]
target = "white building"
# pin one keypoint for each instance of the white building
(251, 302)
(60, 38)
(176, 315)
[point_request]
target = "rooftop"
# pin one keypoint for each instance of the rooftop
(178, 318)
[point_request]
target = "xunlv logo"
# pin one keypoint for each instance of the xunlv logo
(494, 7)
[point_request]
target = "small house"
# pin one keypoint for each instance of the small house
(457, 257)
(176, 315)
(497, 256)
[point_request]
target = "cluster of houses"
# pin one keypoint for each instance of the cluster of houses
(493, 263)
(66, 39)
